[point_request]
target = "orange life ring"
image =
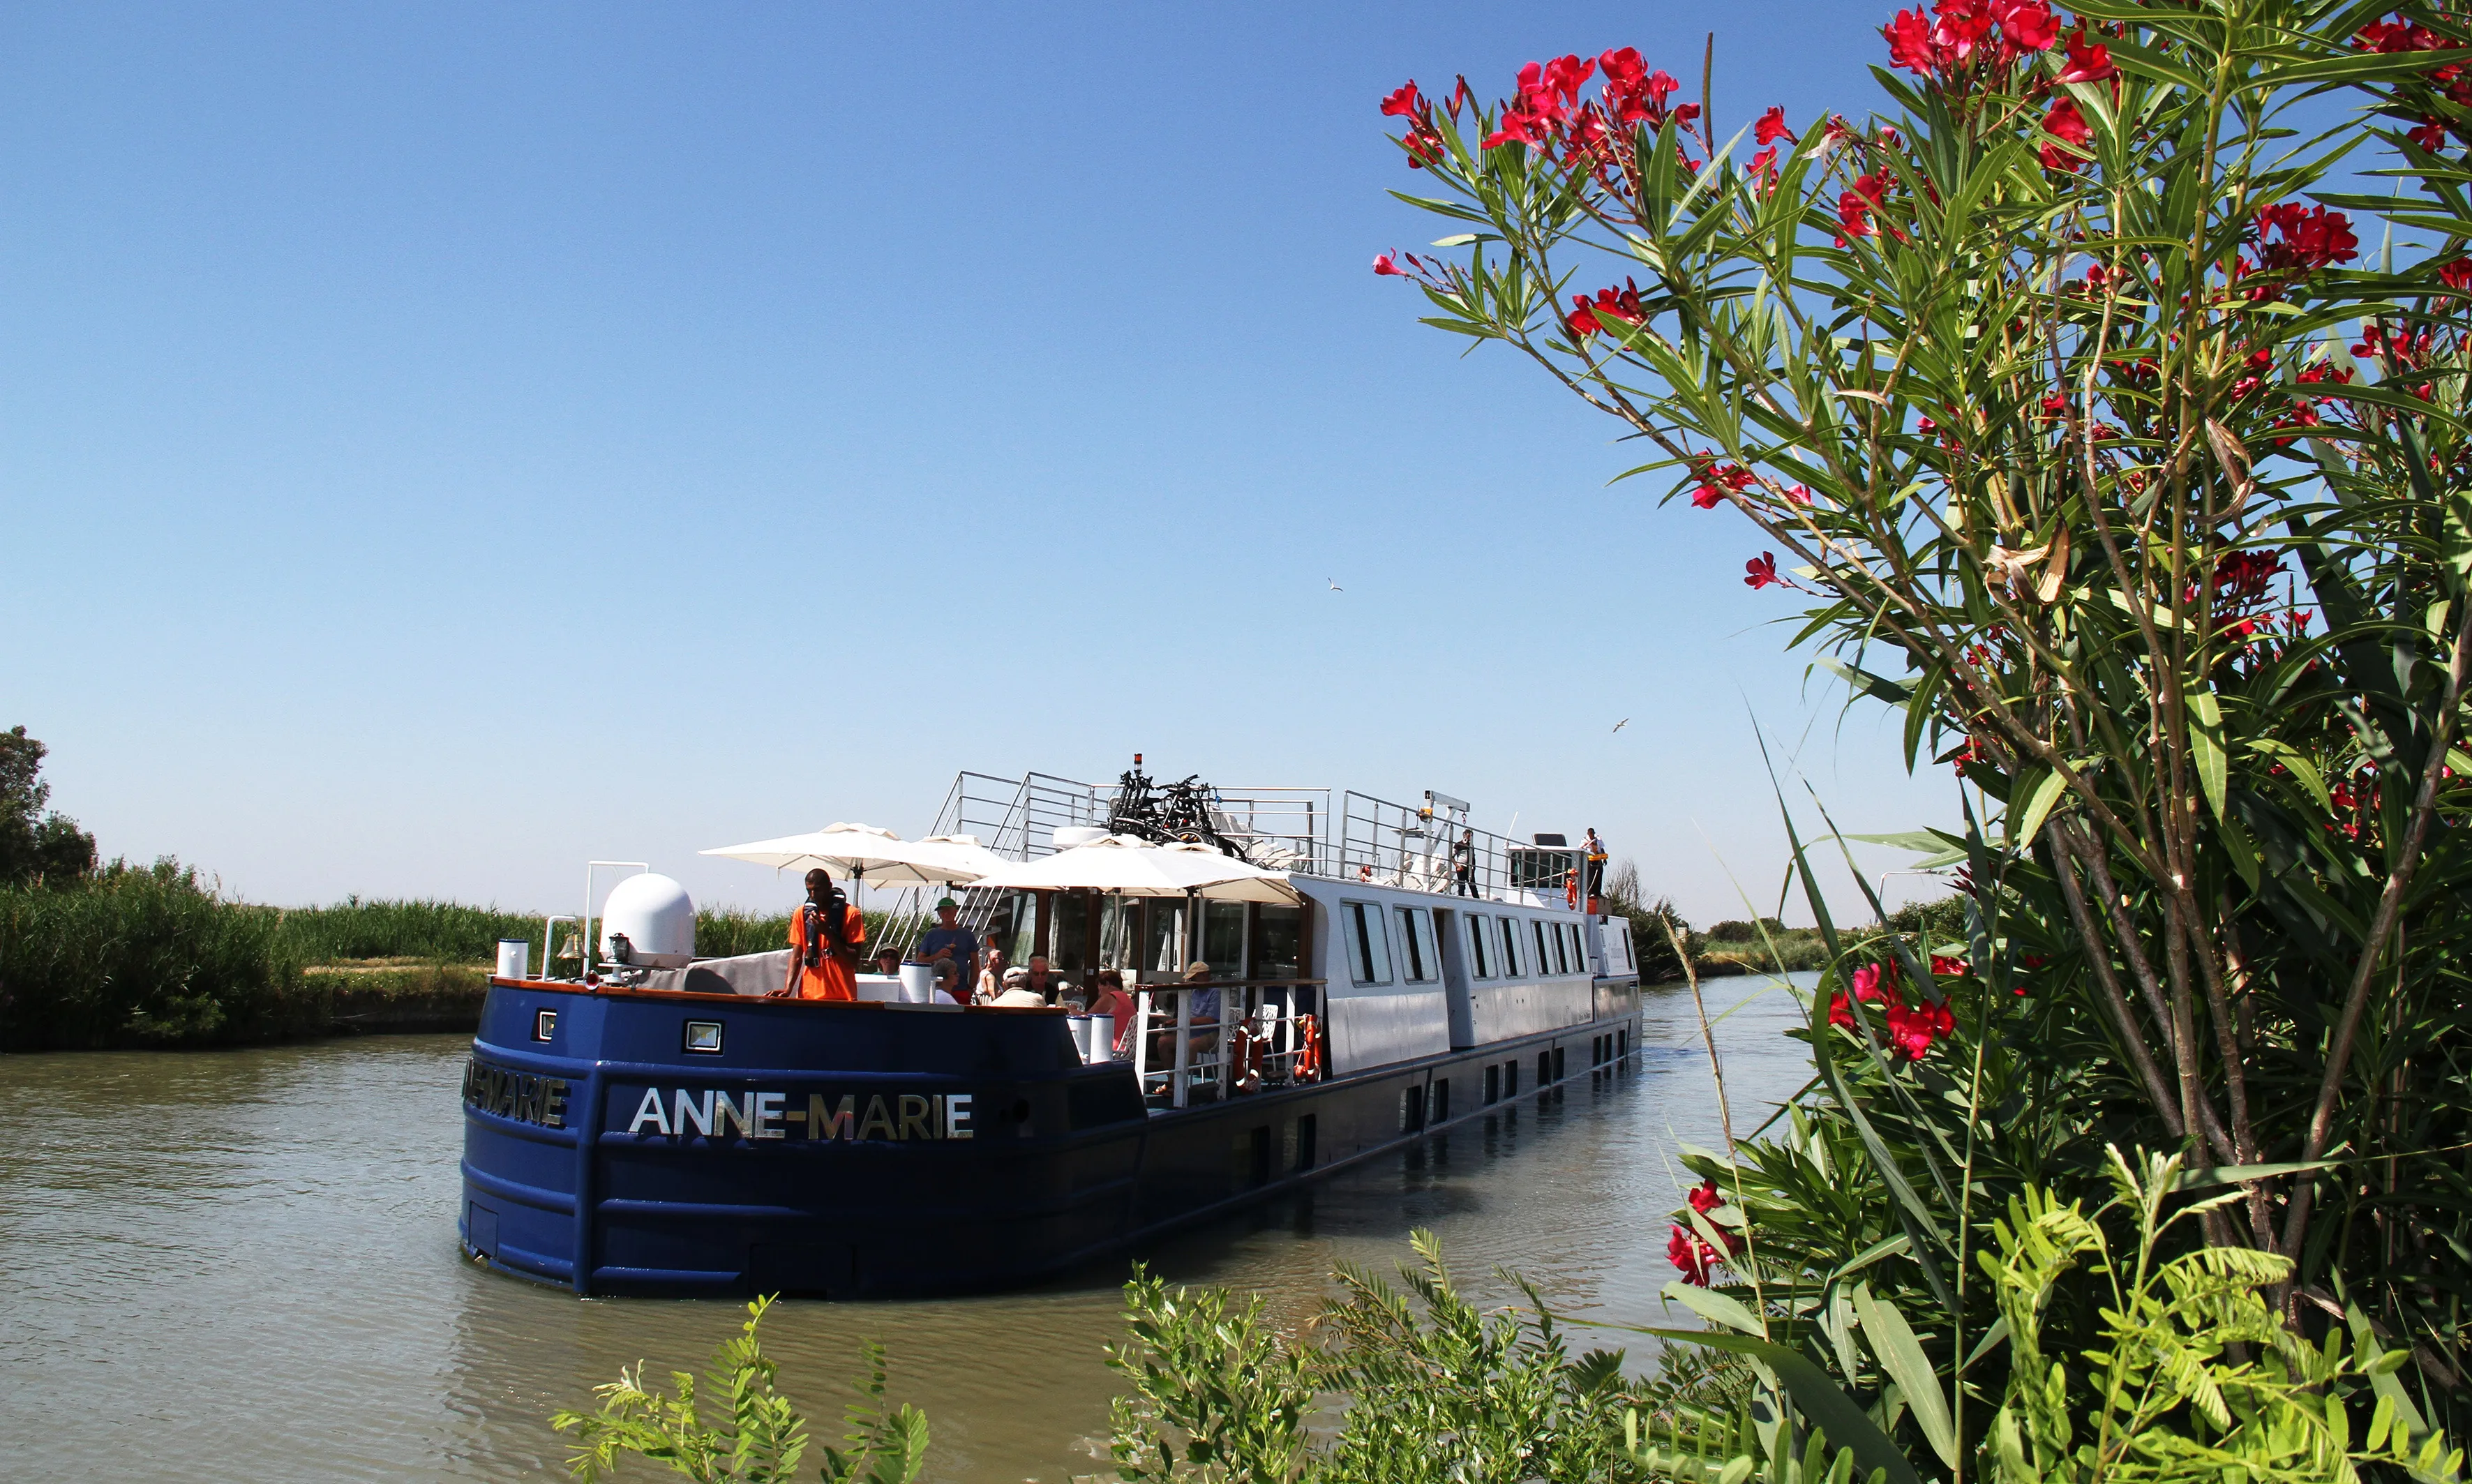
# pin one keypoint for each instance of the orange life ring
(1245, 1060)
(1309, 1053)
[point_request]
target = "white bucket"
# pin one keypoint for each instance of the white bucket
(918, 983)
(514, 958)
(1098, 1037)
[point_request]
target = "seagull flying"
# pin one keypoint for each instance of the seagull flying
(1334, 584)
(1620, 724)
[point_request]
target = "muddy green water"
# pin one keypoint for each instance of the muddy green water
(241, 1266)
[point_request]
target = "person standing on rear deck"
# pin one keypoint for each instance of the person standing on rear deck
(825, 934)
(1596, 871)
(1463, 864)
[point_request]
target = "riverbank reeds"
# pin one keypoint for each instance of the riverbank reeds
(159, 956)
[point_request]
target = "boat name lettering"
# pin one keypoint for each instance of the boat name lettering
(513, 1094)
(678, 1113)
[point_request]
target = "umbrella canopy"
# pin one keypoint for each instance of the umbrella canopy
(1137, 868)
(878, 857)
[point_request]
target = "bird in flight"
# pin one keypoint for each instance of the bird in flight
(1620, 724)
(1334, 584)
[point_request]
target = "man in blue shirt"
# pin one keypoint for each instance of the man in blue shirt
(949, 941)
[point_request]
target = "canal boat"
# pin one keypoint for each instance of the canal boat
(654, 1123)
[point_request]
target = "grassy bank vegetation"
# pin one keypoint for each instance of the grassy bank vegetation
(1743, 946)
(159, 956)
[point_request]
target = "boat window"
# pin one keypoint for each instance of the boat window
(1578, 958)
(1159, 936)
(1368, 943)
(1511, 947)
(1279, 936)
(1119, 925)
(1544, 955)
(1416, 946)
(1480, 960)
(1222, 939)
(1068, 932)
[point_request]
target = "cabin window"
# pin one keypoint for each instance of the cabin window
(1416, 946)
(1161, 942)
(1368, 943)
(1278, 941)
(1222, 939)
(1120, 930)
(1068, 933)
(1479, 962)
(1563, 947)
(1511, 947)
(1544, 955)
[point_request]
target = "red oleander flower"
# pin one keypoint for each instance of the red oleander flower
(2030, 27)
(1772, 127)
(1386, 267)
(1799, 495)
(2430, 135)
(2457, 274)
(1910, 42)
(1403, 103)
(1705, 1197)
(2313, 237)
(2054, 408)
(2394, 36)
(1760, 571)
(1854, 207)
(1635, 94)
(1588, 316)
(1912, 1031)
(1950, 965)
(1716, 481)
(1692, 1256)
(2089, 61)
(2067, 127)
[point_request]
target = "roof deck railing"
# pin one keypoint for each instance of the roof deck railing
(1335, 835)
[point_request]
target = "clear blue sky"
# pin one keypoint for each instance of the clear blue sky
(440, 444)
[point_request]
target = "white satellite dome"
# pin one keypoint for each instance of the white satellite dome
(655, 915)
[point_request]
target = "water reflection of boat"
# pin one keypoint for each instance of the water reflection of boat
(657, 1126)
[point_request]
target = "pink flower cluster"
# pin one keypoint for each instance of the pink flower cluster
(1912, 1028)
(1693, 1253)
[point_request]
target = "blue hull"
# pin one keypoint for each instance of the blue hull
(869, 1150)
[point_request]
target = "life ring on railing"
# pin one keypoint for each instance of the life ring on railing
(1309, 1051)
(1245, 1060)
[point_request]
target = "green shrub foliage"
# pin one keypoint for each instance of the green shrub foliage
(36, 846)
(2117, 441)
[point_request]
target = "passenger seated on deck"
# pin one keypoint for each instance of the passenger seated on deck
(992, 973)
(1018, 994)
(1049, 989)
(825, 936)
(887, 960)
(1108, 998)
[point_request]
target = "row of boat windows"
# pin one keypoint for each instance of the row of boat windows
(1497, 947)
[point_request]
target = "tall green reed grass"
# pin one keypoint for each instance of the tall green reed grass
(144, 954)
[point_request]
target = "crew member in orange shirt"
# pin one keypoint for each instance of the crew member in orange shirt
(825, 934)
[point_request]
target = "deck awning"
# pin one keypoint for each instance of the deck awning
(878, 857)
(1137, 868)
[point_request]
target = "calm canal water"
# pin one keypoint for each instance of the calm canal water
(241, 1265)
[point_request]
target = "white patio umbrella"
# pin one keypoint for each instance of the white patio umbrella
(877, 857)
(1137, 868)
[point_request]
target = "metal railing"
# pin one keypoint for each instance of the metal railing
(1255, 1034)
(1341, 836)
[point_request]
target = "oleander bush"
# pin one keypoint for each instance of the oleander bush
(2104, 404)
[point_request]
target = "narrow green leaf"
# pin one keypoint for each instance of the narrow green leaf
(2206, 744)
(2039, 807)
(1718, 1308)
(1818, 1399)
(1892, 1340)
